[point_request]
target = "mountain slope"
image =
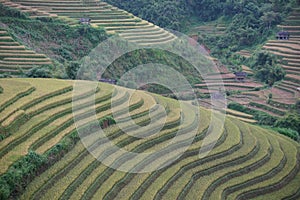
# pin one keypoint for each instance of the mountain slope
(36, 116)
(15, 57)
(104, 15)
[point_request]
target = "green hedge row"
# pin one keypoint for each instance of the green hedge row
(14, 180)
(34, 129)
(262, 117)
(125, 28)
(133, 107)
(146, 37)
(268, 108)
(280, 104)
(16, 98)
(289, 133)
(47, 96)
(32, 55)
(38, 100)
(2, 132)
(14, 125)
(163, 39)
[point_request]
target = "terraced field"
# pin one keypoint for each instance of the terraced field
(243, 92)
(246, 162)
(284, 94)
(209, 29)
(290, 51)
(244, 53)
(114, 20)
(15, 57)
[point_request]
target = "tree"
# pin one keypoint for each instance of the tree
(297, 106)
(291, 120)
(270, 18)
(39, 72)
(267, 68)
(72, 69)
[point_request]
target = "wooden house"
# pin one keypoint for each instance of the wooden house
(240, 76)
(108, 80)
(85, 20)
(283, 35)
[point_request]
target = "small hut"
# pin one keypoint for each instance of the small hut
(85, 20)
(108, 80)
(283, 35)
(240, 76)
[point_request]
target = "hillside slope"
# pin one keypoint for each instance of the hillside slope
(289, 50)
(15, 57)
(284, 94)
(113, 19)
(40, 148)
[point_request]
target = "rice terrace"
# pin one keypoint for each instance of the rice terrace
(150, 99)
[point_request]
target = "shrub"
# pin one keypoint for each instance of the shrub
(270, 96)
(289, 132)
(72, 69)
(266, 67)
(11, 12)
(288, 125)
(4, 190)
(19, 174)
(262, 117)
(39, 72)
(5, 75)
(291, 121)
(297, 106)
(14, 180)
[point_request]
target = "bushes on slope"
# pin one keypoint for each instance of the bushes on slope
(22, 172)
(11, 12)
(266, 67)
(39, 72)
(289, 125)
(19, 174)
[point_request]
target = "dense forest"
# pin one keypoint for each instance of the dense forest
(177, 14)
(250, 21)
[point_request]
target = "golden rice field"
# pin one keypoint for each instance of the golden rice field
(37, 116)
